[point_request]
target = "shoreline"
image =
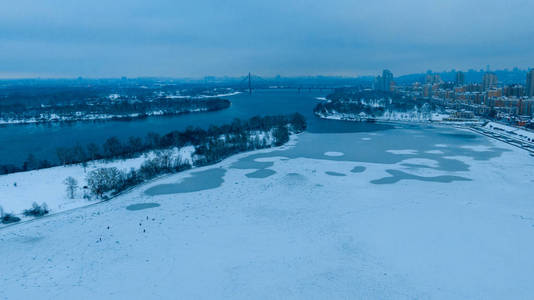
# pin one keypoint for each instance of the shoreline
(471, 126)
(293, 139)
(205, 96)
(104, 118)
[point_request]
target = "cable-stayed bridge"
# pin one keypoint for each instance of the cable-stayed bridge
(251, 82)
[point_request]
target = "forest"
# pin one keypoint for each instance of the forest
(23, 102)
(109, 110)
(371, 102)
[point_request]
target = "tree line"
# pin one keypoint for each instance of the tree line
(117, 109)
(234, 138)
(371, 102)
(211, 146)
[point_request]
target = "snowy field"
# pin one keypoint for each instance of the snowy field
(19, 190)
(402, 214)
(511, 132)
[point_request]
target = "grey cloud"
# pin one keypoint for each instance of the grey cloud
(229, 37)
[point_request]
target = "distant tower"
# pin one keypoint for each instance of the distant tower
(249, 84)
(530, 83)
(460, 78)
(384, 82)
(388, 79)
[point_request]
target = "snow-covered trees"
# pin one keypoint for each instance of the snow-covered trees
(163, 162)
(72, 186)
(37, 210)
(112, 180)
(7, 218)
(104, 180)
(280, 135)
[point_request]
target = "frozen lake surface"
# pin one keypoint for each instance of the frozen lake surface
(421, 213)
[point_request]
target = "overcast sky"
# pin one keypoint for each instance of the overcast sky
(111, 38)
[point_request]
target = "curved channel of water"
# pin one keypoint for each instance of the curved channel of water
(18, 141)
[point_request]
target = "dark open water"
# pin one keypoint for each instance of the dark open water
(18, 141)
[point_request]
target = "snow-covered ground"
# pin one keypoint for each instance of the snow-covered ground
(511, 132)
(318, 228)
(412, 116)
(81, 116)
(19, 190)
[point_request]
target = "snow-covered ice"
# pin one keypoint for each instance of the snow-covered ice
(434, 152)
(333, 153)
(403, 152)
(298, 233)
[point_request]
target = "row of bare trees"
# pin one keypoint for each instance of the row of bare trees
(210, 147)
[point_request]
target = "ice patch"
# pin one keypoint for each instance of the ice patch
(262, 173)
(331, 173)
(477, 148)
(396, 176)
(141, 206)
(441, 145)
(358, 169)
(420, 162)
(434, 152)
(198, 181)
(366, 139)
(403, 152)
(334, 154)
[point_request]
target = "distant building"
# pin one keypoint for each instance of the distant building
(427, 90)
(530, 83)
(525, 107)
(385, 82)
(433, 79)
(514, 91)
(489, 80)
(460, 78)
(463, 115)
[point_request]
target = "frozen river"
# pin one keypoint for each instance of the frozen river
(412, 212)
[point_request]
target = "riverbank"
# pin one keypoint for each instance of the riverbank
(114, 111)
(516, 137)
(20, 190)
(402, 118)
(387, 117)
(80, 117)
(203, 96)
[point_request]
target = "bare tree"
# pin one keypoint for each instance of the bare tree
(104, 180)
(72, 186)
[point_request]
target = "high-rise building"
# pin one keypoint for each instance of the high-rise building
(460, 78)
(489, 80)
(385, 82)
(433, 78)
(516, 90)
(530, 83)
